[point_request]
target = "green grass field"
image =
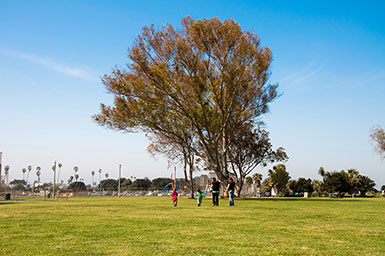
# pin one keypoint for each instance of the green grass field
(151, 226)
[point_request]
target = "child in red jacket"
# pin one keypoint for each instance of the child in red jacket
(174, 196)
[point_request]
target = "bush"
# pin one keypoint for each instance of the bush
(77, 186)
(315, 194)
(159, 183)
(109, 185)
(140, 184)
(283, 193)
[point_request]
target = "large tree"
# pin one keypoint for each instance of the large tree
(159, 183)
(18, 184)
(378, 138)
(140, 184)
(109, 185)
(278, 178)
(209, 78)
(300, 186)
(336, 182)
(77, 186)
(179, 147)
(365, 185)
(248, 149)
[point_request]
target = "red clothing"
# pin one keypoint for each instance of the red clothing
(174, 196)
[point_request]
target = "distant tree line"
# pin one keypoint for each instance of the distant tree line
(335, 182)
(278, 181)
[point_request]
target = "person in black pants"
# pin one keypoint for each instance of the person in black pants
(230, 190)
(215, 185)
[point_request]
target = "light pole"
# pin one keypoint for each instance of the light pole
(120, 168)
(54, 177)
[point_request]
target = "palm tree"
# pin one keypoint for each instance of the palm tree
(70, 179)
(106, 175)
(317, 185)
(58, 175)
(6, 172)
(321, 172)
(354, 180)
(24, 171)
(257, 178)
(100, 173)
(29, 170)
(38, 174)
(278, 178)
(93, 174)
(76, 177)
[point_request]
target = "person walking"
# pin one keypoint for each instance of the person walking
(215, 185)
(199, 197)
(230, 191)
(174, 196)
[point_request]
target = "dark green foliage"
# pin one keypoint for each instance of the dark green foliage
(125, 183)
(140, 184)
(301, 185)
(249, 180)
(159, 183)
(18, 182)
(336, 182)
(365, 185)
(265, 185)
(278, 178)
(350, 181)
(77, 186)
(109, 185)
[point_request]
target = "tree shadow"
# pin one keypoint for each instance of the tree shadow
(322, 199)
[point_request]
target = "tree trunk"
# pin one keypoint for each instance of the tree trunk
(239, 190)
(240, 186)
(185, 170)
(191, 180)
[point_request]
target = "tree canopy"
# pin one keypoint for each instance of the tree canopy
(140, 184)
(378, 137)
(77, 186)
(278, 178)
(109, 185)
(159, 183)
(193, 89)
(300, 186)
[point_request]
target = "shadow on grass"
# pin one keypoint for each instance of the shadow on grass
(339, 200)
(8, 202)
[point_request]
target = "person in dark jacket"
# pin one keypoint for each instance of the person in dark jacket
(230, 191)
(215, 185)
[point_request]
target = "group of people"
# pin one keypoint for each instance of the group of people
(215, 187)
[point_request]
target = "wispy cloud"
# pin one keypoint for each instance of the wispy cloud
(82, 73)
(304, 75)
(359, 80)
(316, 74)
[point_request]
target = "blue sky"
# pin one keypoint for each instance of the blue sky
(329, 60)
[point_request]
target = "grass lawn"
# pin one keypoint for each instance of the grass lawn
(151, 226)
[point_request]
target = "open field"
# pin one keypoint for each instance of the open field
(151, 226)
